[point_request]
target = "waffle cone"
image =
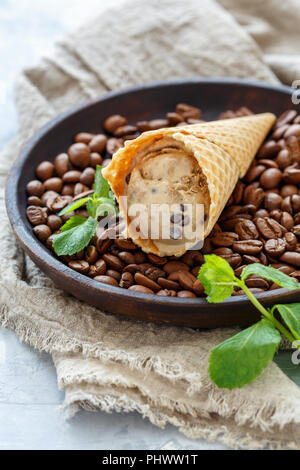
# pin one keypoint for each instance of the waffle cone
(223, 149)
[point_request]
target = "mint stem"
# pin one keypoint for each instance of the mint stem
(265, 312)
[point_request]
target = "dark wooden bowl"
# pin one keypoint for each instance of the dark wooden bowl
(147, 101)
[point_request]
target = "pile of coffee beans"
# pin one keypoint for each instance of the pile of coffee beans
(260, 223)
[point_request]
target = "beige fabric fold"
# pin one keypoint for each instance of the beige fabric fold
(108, 362)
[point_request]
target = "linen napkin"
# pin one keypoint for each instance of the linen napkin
(108, 362)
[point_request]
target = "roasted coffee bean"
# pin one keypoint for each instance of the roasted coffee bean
(254, 173)
(278, 133)
(291, 241)
(185, 279)
(186, 294)
(254, 195)
(269, 150)
(113, 145)
(223, 251)
(286, 220)
(248, 247)
(34, 201)
(61, 164)
(276, 214)
(268, 163)
(143, 126)
(284, 158)
(291, 176)
(146, 282)
(224, 239)
(192, 257)
(254, 281)
(127, 257)
(53, 184)
(36, 215)
(188, 111)
(59, 203)
(107, 280)
(294, 146)
(81, 266)
(95, 159)
(173, 266)
(286, 117)
(153, 272)
(125, 245)
(253, 290)
(140, 257)
(234, 259)
(229, 224)
(174, 118)
(159, 261)
(127, 280)
(297, 218)
(294, 129)
(291, 257)
(238, 271)
(270, 178)
(113, 122)
(42, 232)
(87, 176)
(35, 188)
(45, 170)
(91, 254)
(262, 213)
(141, 289)
(68, 190)
(248, 259)
(288, 190)
(238, 192)
(115, 274)
(79, 155)
(158, 124)
(106, 162)
(113, 262)
(168, 284)
(80, 189)
(98, 143)
(198, 287)
(246, 230)
(123, 131)
(291, 203)
(98, 269)
(48, 196)
(272, 201)
(54, 222)
(296, 231)
(72, 176)
(275, 246)
(296, 275)
(285, 268)
(269, 228)
(84, 137)
(167, 293)
(196, 270)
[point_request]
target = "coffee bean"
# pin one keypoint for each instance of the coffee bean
(81, 267)
(269, 150)
(198, 287)
(192, 257)
(113, 145)
(141, 289)
(34, 201)
(186, 294)
(98, 143)
(173, 266)
(278, 133)
(254, 281)
(248, 259)
(91, 254)
(123, 131)
(270, 178)
(45, 170)
(127, 257)
(296, 231)
(246, 230)
(168, 284)
(252, 290)
(294, 146)
(248, 247)
(288, 190)
(291, 176)
(146, 282)
(59, 203)
(113, 262)
(167, 293)
(84, 137)
(35, 188)
(87, 176)
(174, 118)
(42, 232)
(275, 247)
(185, 279)
(143, 126)
(98, 269)
(79, 155)
(294, 129)
(225, 239)
(158, 124)
(125, 244)
(188, 111)
(127, 280)
(254, 173)
(107, 280)
(36, 215)
(54, 222)
(68, 190)
(254, 195)
(238, 192)
(159, 261)
(113, 122)
(72, 176)
(286, 118)
(262, 213)
(286, 220)
(53, 184)
(95, 159)
(296, 275)
(291, 257)
(269, 228)
(115, 274)
(272, 201)
(291, 240)
(268, 163)
(284, 158)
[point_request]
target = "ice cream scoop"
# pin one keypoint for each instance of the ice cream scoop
(187, 175)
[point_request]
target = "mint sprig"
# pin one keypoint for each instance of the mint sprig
(240, 359)
(78, 231)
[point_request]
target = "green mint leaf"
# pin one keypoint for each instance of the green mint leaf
(106, 208)
(73, 222)
(241, 358)
(101, 185)
(290, 313)
(217, 277)
(74, 205)
(271, 274)
(75, 239)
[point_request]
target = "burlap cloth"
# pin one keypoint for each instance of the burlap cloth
(107, 362)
